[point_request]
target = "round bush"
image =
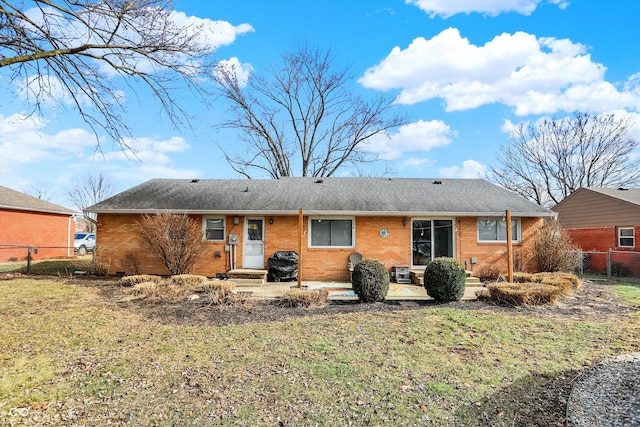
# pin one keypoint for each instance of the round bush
(370, 280)
(444, 279)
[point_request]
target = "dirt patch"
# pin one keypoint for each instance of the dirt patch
(593, 301)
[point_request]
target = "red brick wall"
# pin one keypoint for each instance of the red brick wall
(593, 239)
(51, 233)
(117, 235)
(486, 252)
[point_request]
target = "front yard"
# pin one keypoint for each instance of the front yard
(76, 353)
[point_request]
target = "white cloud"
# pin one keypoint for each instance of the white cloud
(213, 33)
(415, 161)
(532, 75)
(413, 137)
(147, 150)
(23, 139)
(233, 67)
(469, 169)
(448, 8)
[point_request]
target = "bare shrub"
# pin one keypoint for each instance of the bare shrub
(304, 298)
(132, 263)
(188, 280)
(522, 294)
(174, 238)
(520, 277)
(487, 272)
(552, 248)
(139, 278)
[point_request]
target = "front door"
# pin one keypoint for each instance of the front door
(431, 238)
(254, 243)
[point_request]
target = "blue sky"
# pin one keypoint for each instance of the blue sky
(462, 70)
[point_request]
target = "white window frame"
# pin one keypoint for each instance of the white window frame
(620, 237)
(332, 218)
(204, 228)
(515, 239)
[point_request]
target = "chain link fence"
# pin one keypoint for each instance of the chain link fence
(29, 253)
(609, 263)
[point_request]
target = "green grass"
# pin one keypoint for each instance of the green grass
(81, 359)
(62, 266)
(629, 290)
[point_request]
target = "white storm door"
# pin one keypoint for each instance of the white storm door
(253, 243)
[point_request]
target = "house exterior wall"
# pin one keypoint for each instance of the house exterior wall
(589, 209)
(51, 233)
(118, 239)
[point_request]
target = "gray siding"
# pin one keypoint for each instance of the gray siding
(587, 208)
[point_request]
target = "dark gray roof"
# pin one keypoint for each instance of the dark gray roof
(11, 199)
(363, 196)
(631, 195)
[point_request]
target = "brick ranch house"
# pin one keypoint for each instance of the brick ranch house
(402, 222)
(600, 219)
(29, 221)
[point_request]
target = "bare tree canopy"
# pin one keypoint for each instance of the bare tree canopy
(90, 191)
(174, 238)
(302, 118)
(71, 51)
(548, 161)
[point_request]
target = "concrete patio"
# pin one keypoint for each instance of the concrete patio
(343, 290)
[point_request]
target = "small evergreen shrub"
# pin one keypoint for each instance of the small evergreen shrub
(444, 279)
(370, 280)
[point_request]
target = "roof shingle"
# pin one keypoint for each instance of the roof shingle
(334, 195)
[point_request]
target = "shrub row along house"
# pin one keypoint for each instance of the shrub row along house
(26, 221)
(401, 222)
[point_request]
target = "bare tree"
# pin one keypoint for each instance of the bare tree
(174, 238)
(89, 192)
(303, 118)
(70, 51)
(42, 191)
(548, 161)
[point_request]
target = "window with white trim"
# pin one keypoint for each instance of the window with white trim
(332, 232)
(495, 230)
(626, 237)
(213, 228)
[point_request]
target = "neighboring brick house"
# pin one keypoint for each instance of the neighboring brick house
(603, 219)
(28, 221)
(402, 222)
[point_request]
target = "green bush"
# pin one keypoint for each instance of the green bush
(444, 279)
(370, 280)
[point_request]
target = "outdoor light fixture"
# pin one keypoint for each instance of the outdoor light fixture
(270, 220)
(236, 220)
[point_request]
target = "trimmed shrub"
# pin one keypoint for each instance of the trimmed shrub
(139, 278)
(487, 272)
(522, 293)
(303, 298)
(520, 277)
(444, 279)
(188, 280)
(370, 280)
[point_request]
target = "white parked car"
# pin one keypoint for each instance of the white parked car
(84, 242)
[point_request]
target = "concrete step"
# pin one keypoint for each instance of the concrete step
(248, 277)
(417, 277)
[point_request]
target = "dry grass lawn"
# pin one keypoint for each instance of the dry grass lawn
(75, 355)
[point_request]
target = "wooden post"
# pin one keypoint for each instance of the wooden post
(300, 232)
(509, 246)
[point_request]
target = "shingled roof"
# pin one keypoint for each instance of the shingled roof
(352, 196)
(15, 200)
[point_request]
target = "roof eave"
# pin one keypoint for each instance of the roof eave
(308, 212)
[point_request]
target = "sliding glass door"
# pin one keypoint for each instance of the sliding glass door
(431, 238)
